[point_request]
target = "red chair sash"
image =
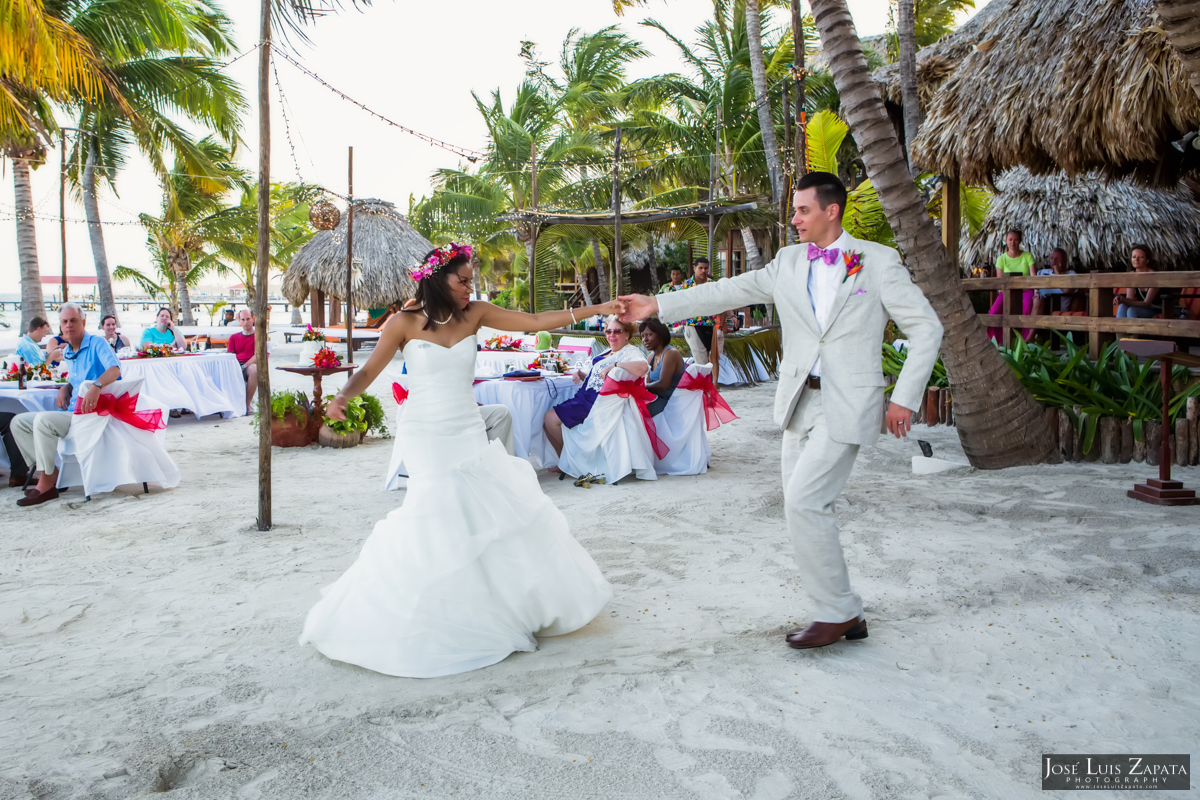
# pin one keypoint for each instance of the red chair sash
(637, 390)
(716, 410)
(399, 394)
(124, 408)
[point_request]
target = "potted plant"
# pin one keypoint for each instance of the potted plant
(363, 413)
(312, 341)
(290, 415)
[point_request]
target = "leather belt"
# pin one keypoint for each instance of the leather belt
(813, 382)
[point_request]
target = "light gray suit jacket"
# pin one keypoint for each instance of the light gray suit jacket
(850, 348)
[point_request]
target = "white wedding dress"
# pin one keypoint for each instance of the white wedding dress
(474, 563)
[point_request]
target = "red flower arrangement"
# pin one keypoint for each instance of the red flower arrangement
(156, 351)
(503, 343)
(325, 358)
(551, 361)
(39, 372)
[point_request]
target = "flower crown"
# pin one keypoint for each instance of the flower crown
(439, 258)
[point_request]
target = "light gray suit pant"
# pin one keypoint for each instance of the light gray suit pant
(497, 420)
(815, 470)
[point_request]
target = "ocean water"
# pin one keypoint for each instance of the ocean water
(141, 314)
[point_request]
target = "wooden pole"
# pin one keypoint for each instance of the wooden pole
(350, 259)
(62, 210)
(785, 201)
(533, 249)
(799, 75)
(616, 204)
(952, 219)
(262, 266)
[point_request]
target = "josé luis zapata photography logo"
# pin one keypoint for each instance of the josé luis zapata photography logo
(1115, 771)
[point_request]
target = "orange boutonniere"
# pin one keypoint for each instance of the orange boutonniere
(853, 264)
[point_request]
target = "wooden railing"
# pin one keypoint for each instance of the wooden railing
(1097, 287)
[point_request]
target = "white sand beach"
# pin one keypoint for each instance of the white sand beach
(149, 642)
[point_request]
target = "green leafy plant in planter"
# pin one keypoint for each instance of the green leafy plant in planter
(294, 403)
(364, 414)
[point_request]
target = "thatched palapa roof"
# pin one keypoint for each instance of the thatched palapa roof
(1073, 85)
(384, 240)
(1096, 221)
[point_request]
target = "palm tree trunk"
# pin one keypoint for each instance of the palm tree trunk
(1181, 21)
(529, 245)
(906, 35)
(91, 210)
(32, 302)
(181, 265)
(762, 100)
(581, 280)
(999, 423)
(753, 257)
(601, 272)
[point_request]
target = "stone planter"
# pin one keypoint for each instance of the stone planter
(307, 351)
(291, 431)
(327, 437)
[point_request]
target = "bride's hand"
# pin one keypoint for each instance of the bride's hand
(336, 410)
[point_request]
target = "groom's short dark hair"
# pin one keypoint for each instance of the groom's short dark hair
(830, 189)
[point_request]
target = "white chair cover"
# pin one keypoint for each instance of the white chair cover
(101, 452)
(612, 441)
(396, 476)
(682, 427)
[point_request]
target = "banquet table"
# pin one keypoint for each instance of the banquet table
(528, 401)
(489, 363)
(20, 401)
(210, 382)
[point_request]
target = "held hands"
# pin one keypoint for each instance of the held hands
(637, 307)
(336, 409)
(899, 420)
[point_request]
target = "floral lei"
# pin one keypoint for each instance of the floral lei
(439, 258)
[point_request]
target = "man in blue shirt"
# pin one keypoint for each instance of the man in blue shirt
(90, 359)
(28, 349)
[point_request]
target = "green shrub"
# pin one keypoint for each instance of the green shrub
(363, 414)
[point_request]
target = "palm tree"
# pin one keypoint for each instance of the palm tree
(194, 221)
(42, 61)
(159, 56)
(906, 34)
(999, 423)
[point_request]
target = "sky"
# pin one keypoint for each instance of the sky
(415, 64)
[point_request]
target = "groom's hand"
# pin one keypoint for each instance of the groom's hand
(638, 307)
(899, 420)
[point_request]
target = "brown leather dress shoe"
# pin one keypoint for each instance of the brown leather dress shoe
(17, 481)
(36, 498)
(820, 634)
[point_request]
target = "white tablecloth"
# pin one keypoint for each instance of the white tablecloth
(528, 401)
(210, 383)
(492, 362)
(17, 401)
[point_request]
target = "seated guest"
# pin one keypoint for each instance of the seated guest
(163, 332)
(108, 328)
(91, 360)
(230, 317)
(574, 411)
(666, 363)
(28, 348)
(1140, 303)
(1044, 299)
(241, 344)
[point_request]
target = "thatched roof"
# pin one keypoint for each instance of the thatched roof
(384, 240)
(1096, 221)
(1076, 86)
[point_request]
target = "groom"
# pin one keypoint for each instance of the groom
(834, 296)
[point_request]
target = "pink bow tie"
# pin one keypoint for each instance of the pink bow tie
(829, 256)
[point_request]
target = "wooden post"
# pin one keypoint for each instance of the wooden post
(799, 75)
(616, 205)
(533, 199)
(1005, 310)
(785, 200)
(62, 210)
(952, 220)
(1100, 304)
(262, 270)
(728, 271)
(350, 259)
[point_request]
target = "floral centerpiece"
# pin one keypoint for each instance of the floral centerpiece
(155, 351)
(503, 343)
(325, 357)
(29, 372)
(312, 341)
(555, 362)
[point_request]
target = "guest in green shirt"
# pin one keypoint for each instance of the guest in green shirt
(1013, 261)
(163, 332)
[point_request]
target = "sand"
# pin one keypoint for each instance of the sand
(149, 641)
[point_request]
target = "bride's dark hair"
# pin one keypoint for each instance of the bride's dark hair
(433, 276)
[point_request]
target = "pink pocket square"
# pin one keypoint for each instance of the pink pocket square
(861, 291)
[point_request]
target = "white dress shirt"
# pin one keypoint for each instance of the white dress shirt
(823, 282)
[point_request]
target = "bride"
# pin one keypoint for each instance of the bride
(477, 561)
